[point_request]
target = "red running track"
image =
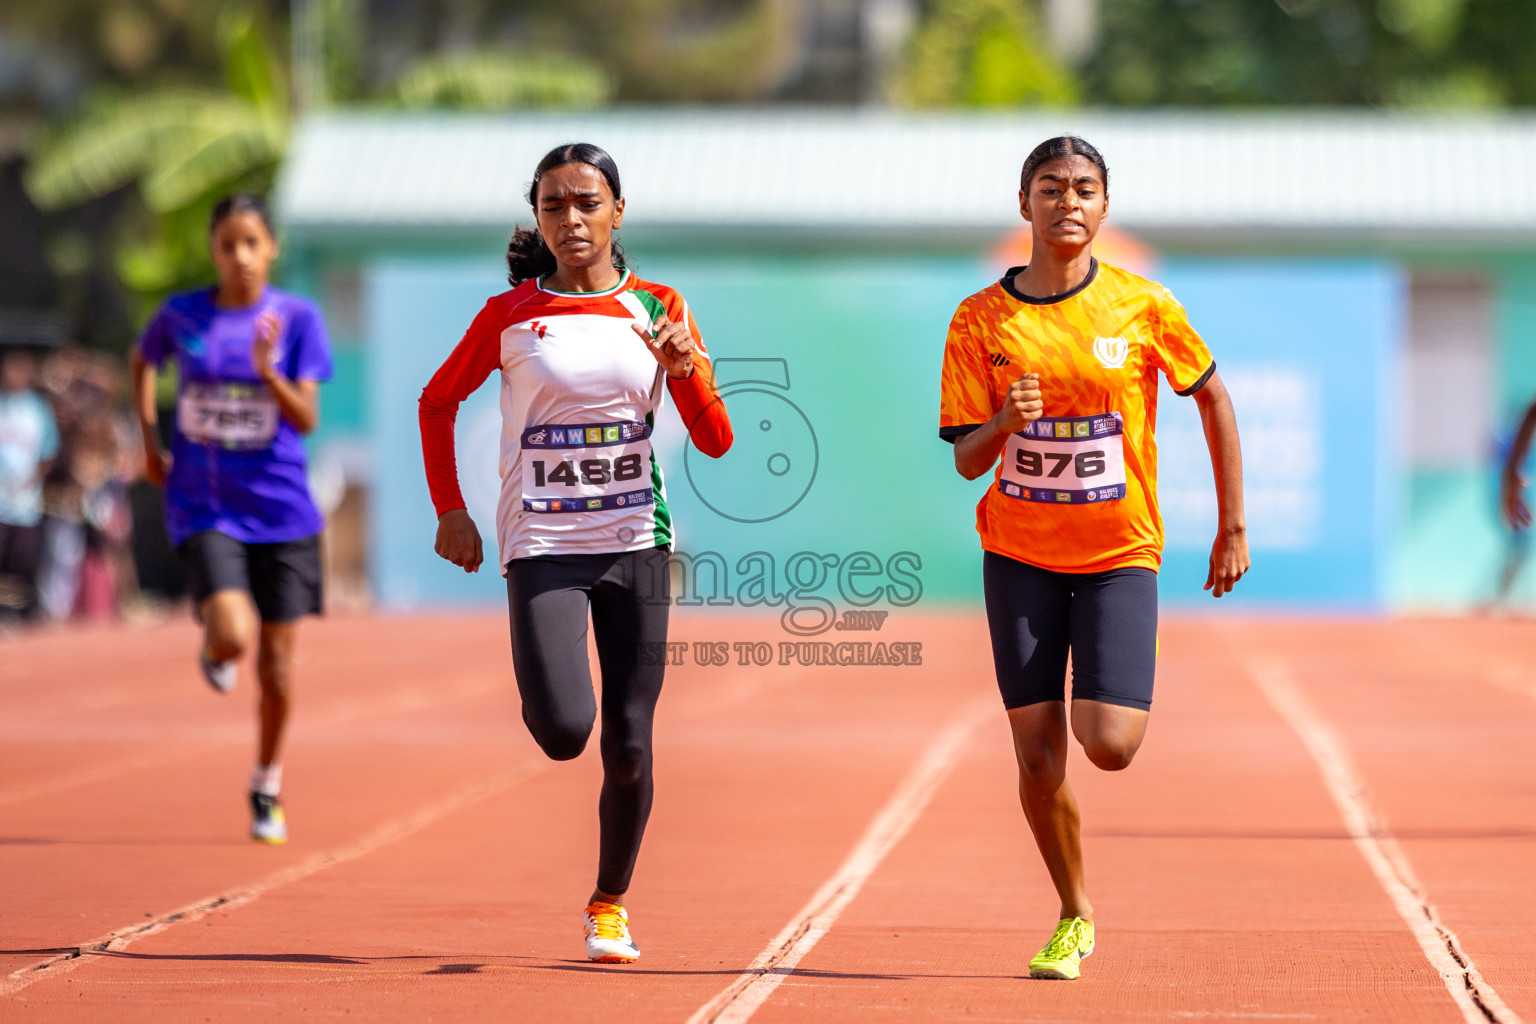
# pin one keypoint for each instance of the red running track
(438, 864)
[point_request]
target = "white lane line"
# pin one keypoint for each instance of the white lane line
(739, 1000)
(1478, 1002)
(384, 835)
(70, 958)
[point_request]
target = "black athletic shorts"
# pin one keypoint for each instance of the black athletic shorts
(283, 579)
(1107, 620)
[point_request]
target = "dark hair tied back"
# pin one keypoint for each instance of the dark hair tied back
(527, 255)
(241, 202)
(1060, 146)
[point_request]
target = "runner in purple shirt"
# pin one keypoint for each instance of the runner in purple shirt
(250, 360)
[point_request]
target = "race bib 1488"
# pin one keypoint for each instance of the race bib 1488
(1066, 460)
(586, 467)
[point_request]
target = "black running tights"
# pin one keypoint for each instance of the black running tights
(628, 594)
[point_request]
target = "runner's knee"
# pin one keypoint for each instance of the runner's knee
(1040, 763)
(275, 654)
(1111, 755)
(1110, 735)
(274, 674)
(561, 737)
(625, 763)
(231, 628)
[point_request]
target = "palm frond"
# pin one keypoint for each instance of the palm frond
(112, 144)
(221, 145)
(499, 81)
(250, 66)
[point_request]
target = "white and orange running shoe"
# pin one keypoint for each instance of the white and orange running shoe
(608, 938)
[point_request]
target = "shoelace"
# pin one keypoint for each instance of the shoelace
(1064, 942)
(605, 921)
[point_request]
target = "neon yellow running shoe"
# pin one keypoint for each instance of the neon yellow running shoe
(1062, 956)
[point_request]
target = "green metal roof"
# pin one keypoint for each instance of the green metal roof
(860, 171)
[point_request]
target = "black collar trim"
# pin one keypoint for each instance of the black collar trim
(1007, 283)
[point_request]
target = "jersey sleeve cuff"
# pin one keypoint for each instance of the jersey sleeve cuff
(1197, 385)
(956, 432)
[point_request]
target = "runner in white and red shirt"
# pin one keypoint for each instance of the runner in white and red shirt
(587, 353)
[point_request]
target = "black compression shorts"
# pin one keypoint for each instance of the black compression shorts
(1106, 620)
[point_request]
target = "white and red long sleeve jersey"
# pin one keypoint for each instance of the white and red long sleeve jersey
(579, 397)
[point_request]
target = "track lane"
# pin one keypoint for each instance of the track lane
(515, 875)
(88, 853)
(1442, 739)
(1224, 887)
(765, 781)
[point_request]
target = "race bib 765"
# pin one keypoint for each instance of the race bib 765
(227, 415)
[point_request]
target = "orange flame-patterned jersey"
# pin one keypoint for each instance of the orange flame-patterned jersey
(1077, 490)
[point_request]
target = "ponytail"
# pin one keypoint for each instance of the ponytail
(528, 256)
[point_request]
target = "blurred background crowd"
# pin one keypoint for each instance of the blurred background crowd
(68, 458)
(122, 121)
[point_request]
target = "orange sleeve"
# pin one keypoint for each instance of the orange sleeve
(697, 398)
(965, 385)
(1180, 352)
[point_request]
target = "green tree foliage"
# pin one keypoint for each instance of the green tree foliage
(1422, 54)
(500, 80)
(183, 147)
(982, 53)
(686, 51)
(1496, 40)
(126, 42)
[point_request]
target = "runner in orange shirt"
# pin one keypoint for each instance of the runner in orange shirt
(1050, 375)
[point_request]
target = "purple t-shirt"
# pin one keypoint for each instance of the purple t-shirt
(239, 466)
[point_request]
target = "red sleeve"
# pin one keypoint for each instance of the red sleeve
(474, 359)
(703, 411)
(698, 400)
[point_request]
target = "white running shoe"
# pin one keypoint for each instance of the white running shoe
(267, 822)
(221, 675)
(608, 938)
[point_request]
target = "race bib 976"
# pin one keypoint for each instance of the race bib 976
(1066, 460)
(586, 467)
(227, 415)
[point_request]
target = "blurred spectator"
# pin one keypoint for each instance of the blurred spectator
(29, 440)
(1512, 505)
(87, 569)
(1517, 514)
